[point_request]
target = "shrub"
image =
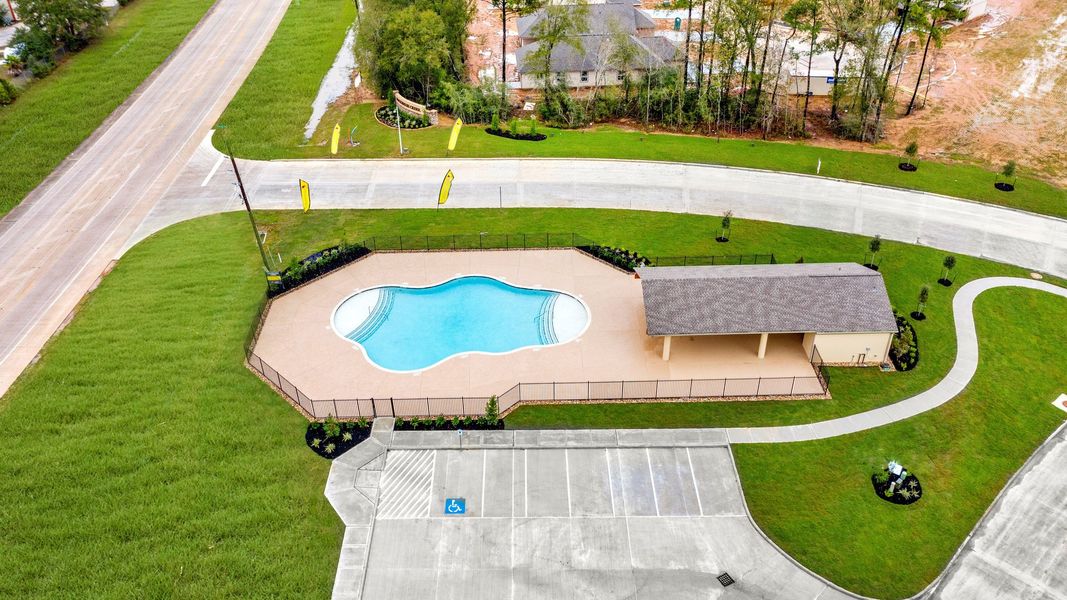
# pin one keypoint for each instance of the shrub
(474, 104)
(492, 410)
(513, 127)
(319, 264)
(904, 351)
(8, 92)
(620, 257)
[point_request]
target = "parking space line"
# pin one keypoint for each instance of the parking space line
(611, 486)
(525, 483)
(512, 496)
(482, 499)
(693, 475)
(567, 474)
(652, 478)
(433, 476)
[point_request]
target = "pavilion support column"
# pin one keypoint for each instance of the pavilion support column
(763, 345)
(666, 347)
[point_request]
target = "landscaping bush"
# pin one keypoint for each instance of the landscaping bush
(904, 352)
(514, 134)
(905, 491)
(332, 438)
(8, 92)
(442, 423)
(620, 257)
(387, 116)
(474, 104)
(319, 264)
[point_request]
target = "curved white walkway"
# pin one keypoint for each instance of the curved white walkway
(948, 388)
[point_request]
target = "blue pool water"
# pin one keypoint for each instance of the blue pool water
(409, 329)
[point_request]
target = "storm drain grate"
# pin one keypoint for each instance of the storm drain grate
(725, 579)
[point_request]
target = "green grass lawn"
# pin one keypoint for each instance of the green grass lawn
(53, 116)
(816, 501)
(274, 103)
(143, 459)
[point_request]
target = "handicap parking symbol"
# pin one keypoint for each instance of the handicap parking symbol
(455, 506)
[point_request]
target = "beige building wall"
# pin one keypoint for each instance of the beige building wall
(573, 79)
(798, 85)
(871, 348)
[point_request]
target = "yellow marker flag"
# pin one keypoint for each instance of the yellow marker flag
(455, 135)
(336, 138)
(305, 195)
(446, 187)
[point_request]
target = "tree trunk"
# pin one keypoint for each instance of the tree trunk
(700, 47)
(838, 55)
(504, 43)
(774, 94)
(688, 39)
(922, 64)
(807, 92)
(884, 83)
(763, 62)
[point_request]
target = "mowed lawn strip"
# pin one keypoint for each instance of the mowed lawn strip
(54, 115)
(140, 457)
(815, 499)
(143, 459)
(274, 103)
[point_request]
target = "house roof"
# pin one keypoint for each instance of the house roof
(603, 19)
(655, 51)
(787, 298)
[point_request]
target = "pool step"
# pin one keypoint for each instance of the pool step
(546, 328)
(378, 314)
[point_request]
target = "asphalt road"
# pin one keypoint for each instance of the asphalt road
(56, 244)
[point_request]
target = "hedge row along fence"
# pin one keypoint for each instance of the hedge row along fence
(335, 257)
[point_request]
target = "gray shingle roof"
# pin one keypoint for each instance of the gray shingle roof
(787, 298)
(654, 51)
(603, 19)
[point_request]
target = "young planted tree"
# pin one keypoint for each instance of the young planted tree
(874, 247)
(947, 266)
(516, 8)
(1006, 178)
(920, 308)
(941, 12)
(727, 222)
(492, 411)
(911, 151)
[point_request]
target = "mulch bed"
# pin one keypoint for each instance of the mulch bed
(907, 492)
(523, 137)
(331, 446)
(446, 424)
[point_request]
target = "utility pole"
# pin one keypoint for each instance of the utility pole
(248, 209)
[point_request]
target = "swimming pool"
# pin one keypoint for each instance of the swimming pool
(403, 328)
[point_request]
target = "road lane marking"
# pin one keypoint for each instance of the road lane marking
(218, 163)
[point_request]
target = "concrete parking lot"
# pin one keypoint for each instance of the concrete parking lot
(650, 523)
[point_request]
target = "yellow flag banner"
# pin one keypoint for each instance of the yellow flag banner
(336, 140)
(305, 195)
(452, 139)
(446, 187)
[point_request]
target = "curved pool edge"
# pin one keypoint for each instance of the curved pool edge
(571, 305)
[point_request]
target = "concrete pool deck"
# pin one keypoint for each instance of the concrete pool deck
(603, 517)
(298, 340)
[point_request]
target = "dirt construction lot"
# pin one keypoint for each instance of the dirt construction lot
(998, 90)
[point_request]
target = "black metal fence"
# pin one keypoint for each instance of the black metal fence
(557, 392)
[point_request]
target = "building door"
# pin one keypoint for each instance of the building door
(861, 359)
